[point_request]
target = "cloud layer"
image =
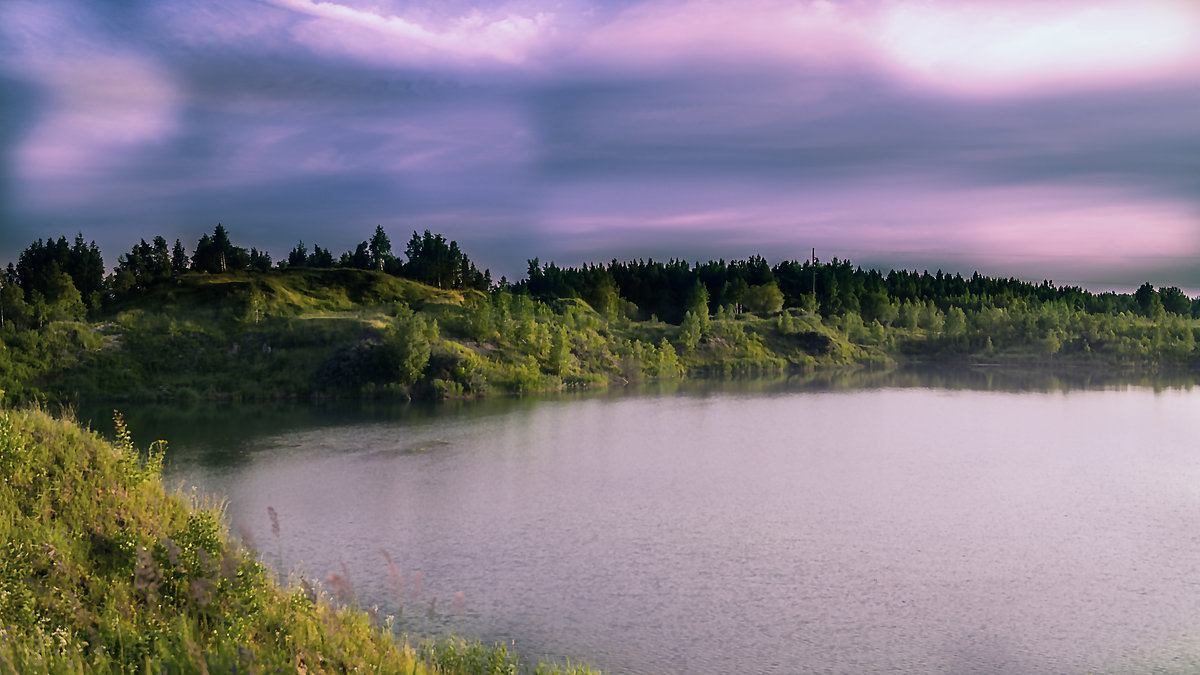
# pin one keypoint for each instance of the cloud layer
(1048, 140)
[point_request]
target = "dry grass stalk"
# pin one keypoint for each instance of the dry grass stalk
(247, 536)
(340, 583)
(395, 576)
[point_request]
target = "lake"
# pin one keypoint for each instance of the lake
(967, 522)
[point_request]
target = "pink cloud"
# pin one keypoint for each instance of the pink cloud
(474, 38)
(983, 48)
(708, 32)
(1012, 47)
(1046, 223)
(976, 48)
(1011, 229)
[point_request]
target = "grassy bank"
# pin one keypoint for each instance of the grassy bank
(312, 334)
(102, 570)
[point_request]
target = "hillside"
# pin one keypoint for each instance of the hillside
(287, 292)
(104, 571)
(350, 333)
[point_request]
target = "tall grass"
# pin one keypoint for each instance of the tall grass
(456, 655)
(103, 571)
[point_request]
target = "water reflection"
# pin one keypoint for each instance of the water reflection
(223, 434)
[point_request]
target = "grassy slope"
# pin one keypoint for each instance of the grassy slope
(246, 334)
(103, 571)
(286, 293)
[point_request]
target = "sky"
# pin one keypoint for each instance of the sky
(1043, 140)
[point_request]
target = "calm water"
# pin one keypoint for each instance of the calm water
(892, 527)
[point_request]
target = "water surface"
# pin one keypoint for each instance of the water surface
(885, 526)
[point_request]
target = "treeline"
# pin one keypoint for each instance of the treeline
(52, 280)
(430, 259)
(55, 280)
(646, 289)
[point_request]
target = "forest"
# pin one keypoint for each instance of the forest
(229, 323)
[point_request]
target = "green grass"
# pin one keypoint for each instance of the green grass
(456, 655)
(103, 571)
(285, 293)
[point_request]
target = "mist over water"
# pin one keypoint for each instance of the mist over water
(920, 522)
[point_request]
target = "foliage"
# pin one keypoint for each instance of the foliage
(406, 348)
(145, 266)
(433, 261)
(218, 254)
(456, 655)
(39, 267)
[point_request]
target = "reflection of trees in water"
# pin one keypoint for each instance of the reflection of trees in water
(226, 434)
(1032, 378)
(975, 377)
